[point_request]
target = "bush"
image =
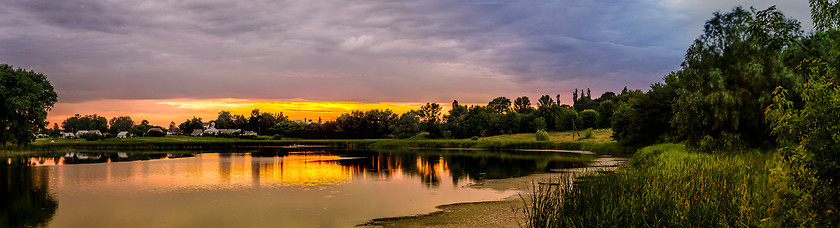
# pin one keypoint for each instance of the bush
(542, 136)
(587, 134)
(474, 138)
(727, 142)
(247, 136)
(156, 134)
(277, 137)
(92, 137)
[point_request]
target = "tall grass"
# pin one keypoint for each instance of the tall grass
(666, 186)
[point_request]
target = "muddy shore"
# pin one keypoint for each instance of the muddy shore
(503, 213)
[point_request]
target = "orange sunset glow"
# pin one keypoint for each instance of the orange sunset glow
(161, 112)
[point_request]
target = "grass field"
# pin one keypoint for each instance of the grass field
(598, 136)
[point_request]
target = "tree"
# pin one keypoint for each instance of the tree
(645, 118)
(545, 100)
(190, 125)
(589, 118)
(430, 112)
(804, 117)
(522, 105)
(120, 123)
(86, 122)
(25, 99)
(224, 120)
(408, 125)
(456, 112)
(500, 104)
(726, 81)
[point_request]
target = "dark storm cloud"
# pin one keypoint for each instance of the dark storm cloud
(349, 50)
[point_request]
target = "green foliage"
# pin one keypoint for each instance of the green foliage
(225, 120)
(500, 105)
(26, 98)
(645, 118)
(545, 100)
(542, 136)
(408, 125)
(826, 14)
(277, 137)
(86, 122)
(726, 81)
(92, 137)
(188, 126)
(155, 134)
(605, 110)
(120, 123)
(589, 118)
(587, 134)
(474, 138)
(522, 105)
(665, 186)
(725, 143)
(810, 127)
(539, 124)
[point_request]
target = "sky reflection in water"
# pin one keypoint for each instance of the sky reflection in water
(260, 188)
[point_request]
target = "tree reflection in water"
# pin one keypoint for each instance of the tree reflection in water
(25, 200)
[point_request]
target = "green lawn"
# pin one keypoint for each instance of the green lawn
(598, 136)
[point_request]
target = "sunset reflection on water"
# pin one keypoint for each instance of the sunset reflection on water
(263, 188)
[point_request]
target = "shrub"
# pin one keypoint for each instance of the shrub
(474, 138)
(92, 137)
(277, 137)
(156, 134)
(726, 142)
(542, 136)
(588, 133)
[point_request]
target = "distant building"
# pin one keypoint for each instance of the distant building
(229, 131)
(197, 133)
(84, 132)
(250, 133)
(122, 135)
(155, 129)
(68, 135)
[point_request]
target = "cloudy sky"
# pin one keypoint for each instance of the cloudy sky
(165, 57)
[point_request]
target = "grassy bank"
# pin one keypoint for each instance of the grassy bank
(666, 186)
(599, 143)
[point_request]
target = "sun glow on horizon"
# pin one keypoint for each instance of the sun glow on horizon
(162, 112)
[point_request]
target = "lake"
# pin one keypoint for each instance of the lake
(259, 188)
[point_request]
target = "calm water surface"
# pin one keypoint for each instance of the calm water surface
(266, 188)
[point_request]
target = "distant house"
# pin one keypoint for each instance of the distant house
(212, 129)
(174, 131)
(68, 135)
(250, 133)
(229, 131)
(84, 132)
(41, 136)
(197, 133)
(206, 125)
(122, 135)
(155, 129)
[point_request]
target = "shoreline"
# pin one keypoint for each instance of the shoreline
(505, 212)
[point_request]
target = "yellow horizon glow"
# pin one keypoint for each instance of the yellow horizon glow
(163, 111)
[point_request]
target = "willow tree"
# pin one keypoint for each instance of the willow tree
(727, 80)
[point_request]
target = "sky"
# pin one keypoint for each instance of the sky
(171, 60)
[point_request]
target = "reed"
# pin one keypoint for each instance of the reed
(666, 186)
